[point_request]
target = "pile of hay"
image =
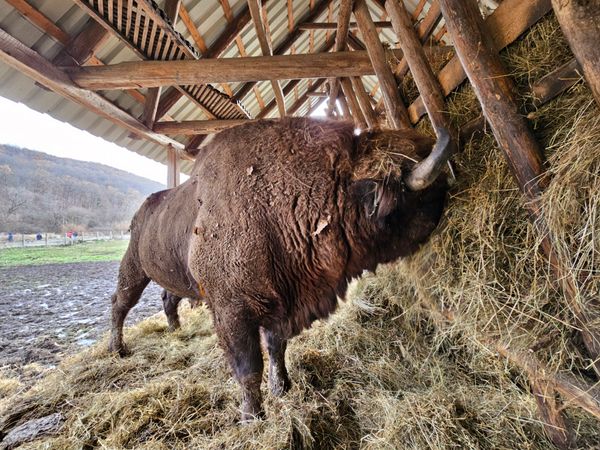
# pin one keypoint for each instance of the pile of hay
(384, 372)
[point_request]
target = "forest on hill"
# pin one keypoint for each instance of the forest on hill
(40, 192)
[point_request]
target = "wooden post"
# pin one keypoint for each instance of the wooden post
(426, 82)
(344, 107)
(394, 104)
(46, 239)
(363, 102)
(494, 89)
(172, 168)
(22, 239)
(580, 22)
(344, 13)
(359, 120)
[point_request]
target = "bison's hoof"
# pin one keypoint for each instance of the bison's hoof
(121, 349)
(250, 417)
(174, 326)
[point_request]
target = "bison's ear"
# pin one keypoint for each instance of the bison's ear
(376, 197)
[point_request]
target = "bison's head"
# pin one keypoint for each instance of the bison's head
(399, 190)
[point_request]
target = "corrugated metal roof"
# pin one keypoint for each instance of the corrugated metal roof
(208, 16)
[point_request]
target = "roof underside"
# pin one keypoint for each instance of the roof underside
(210, 19)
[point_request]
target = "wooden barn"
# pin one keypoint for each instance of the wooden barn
(488, 337)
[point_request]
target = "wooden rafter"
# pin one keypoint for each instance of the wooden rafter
(229, 35)
(288, 41)
(261, 34)
(356, 112)
(364, 102)
(192, 127)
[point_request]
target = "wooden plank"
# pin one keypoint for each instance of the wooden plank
(580, 23)
(172, 168)
(431, 20)
(504, 25)
(138, 74)
(265, 46)
(556, 82)
(30, 63)
(394, 104)
(193, 127)
(334, 25)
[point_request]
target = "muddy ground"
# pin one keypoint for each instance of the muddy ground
(50, 310)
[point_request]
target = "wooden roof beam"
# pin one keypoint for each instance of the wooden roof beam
(394, 104)
(265, 46)
(20, 57)
(194, 127)
(138, 74)
(334, 25)
(344, 13)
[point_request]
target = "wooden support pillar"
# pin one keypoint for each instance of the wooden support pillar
(172, 168)
(394, 104)
(495, 91)
(344, 13)
(363, 102)
(357, 115)
(426, 81)
(580, 22)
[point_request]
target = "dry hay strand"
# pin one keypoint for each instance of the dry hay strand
(383, 372)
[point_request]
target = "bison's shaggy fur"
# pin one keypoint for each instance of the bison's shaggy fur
(276, 219)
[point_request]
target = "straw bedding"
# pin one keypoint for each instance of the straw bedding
(385, 371)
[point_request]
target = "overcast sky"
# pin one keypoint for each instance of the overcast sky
(24, 127)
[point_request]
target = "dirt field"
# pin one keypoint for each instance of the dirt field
(48, 310)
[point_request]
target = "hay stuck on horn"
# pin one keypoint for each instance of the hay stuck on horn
(384, 371)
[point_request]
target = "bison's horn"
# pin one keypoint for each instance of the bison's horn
(426, 171)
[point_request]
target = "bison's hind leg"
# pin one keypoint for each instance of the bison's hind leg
(240, 338)
(279, 381)
(132, 282)
(170, 304)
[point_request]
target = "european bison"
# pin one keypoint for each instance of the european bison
(275, 220)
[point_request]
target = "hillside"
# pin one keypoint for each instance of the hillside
(40, 192)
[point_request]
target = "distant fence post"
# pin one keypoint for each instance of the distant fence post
(65, 235)
(121, 234)
(111, 235)
(97, 235)
(22, 239)
(46, 239)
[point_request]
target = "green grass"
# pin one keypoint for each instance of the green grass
(82, 252)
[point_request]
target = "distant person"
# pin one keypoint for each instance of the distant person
(38, 237)
(10, 237)
(75, 235)
(69, 234)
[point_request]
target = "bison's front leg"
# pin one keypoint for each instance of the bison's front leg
(239, 335)
(279, 381)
